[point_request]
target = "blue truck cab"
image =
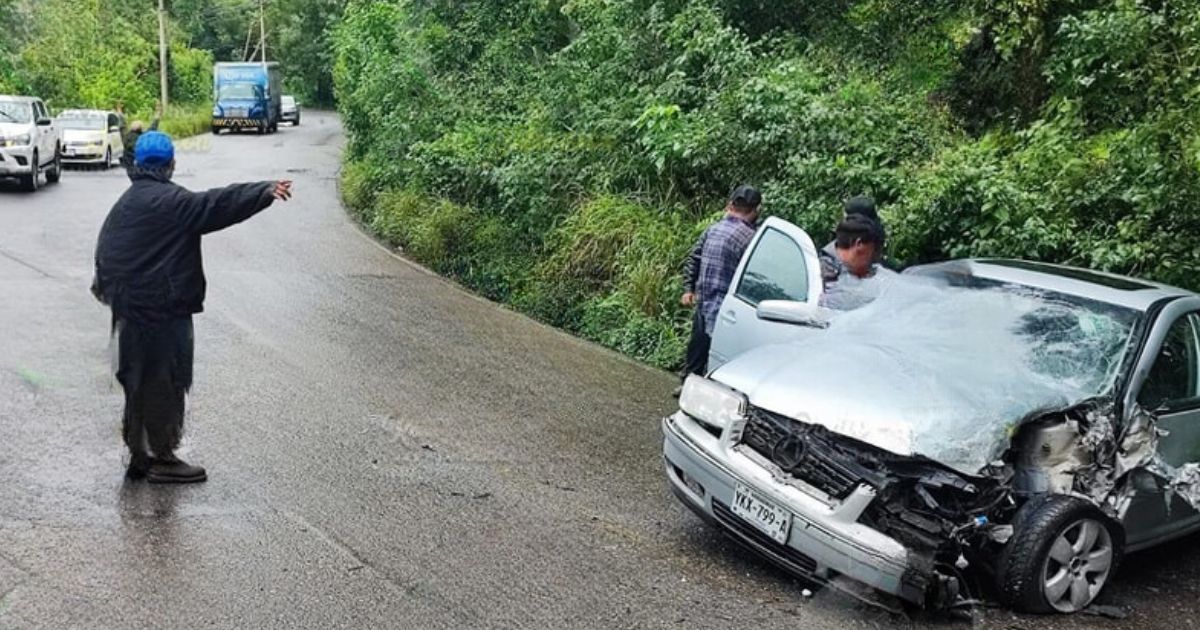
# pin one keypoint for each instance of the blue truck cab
(246, 96)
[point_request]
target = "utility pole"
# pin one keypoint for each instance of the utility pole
(246, 48)
(262, 28)
(162, 53)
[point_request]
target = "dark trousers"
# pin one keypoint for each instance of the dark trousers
(154, 367)
(696, 361)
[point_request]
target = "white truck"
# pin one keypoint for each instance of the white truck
(30, 142)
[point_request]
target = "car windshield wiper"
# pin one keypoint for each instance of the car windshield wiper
(8, 116)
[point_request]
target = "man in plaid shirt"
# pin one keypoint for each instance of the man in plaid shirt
(709, 270)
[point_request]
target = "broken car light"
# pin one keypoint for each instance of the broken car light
(710, 402)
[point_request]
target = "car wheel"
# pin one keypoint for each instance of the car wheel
(216, 131)
(32, 181)
(107, 159)
(1062, 553)
(55, 172)
(297, 121)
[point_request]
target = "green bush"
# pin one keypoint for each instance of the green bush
(562, 155)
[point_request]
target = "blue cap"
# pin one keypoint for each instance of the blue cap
(153, 148)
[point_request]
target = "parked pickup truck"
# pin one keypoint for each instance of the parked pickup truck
(30, 143)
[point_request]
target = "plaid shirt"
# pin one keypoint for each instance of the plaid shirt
(710, 268)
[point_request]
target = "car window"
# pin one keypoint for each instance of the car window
(777, 270)
(1172, 381)
(14, 112)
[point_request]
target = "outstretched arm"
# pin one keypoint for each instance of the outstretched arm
(220, 208)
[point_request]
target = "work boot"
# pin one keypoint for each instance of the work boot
(174, 470)
(139, 465)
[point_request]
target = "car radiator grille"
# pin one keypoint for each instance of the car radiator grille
(793, 559)
(804, 451)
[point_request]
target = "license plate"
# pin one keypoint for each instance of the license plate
(766, 516)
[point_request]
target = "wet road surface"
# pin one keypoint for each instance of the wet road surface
(384, 449)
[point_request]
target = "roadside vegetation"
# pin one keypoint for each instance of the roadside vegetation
(561, 155)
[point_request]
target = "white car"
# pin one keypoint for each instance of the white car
(29, 142)
(91, 136)
(1000, 421)
(289, 110)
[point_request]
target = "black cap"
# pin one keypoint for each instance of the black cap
(857, 227)
(863, 206)
(745, 197)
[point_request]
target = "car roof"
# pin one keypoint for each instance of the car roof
(1105, 287)
(18, 99)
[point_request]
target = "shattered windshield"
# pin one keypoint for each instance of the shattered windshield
(949, 369)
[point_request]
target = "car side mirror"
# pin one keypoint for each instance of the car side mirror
(790, 312)
(44, 122)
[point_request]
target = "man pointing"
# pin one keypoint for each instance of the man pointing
(149, 272)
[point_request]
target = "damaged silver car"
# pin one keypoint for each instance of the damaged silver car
(1015, 425)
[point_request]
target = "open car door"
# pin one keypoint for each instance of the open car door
(781, 269)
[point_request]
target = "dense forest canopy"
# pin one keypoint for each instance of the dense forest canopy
(561, 155)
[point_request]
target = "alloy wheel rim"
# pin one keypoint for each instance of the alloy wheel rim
(1077, 566)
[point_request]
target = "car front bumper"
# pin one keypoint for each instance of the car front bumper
(825, 541)
(289, 116)
(238, 123)
(16, 161)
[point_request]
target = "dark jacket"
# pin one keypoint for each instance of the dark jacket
(130, 141)
(148, 265)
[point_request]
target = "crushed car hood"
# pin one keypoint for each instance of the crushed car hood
(943, 373)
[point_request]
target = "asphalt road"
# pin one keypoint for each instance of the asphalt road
(384, 449)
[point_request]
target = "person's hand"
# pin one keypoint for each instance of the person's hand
(283, 190)
(688, 299)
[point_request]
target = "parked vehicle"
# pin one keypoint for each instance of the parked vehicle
(1016, 422)
(29, 142)
(91, 136)
(290, 110)
(246, 96)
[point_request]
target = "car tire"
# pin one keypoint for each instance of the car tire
(1062, 554)
(31, 182)
(297, 123)
(54, 173)
(107, 159)
(216, 131)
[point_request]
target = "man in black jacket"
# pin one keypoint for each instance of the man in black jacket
(149, 271)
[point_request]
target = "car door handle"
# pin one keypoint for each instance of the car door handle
(730, 317)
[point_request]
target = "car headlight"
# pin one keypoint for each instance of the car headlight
(216, 111)
(711, 402)
(20, 140)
